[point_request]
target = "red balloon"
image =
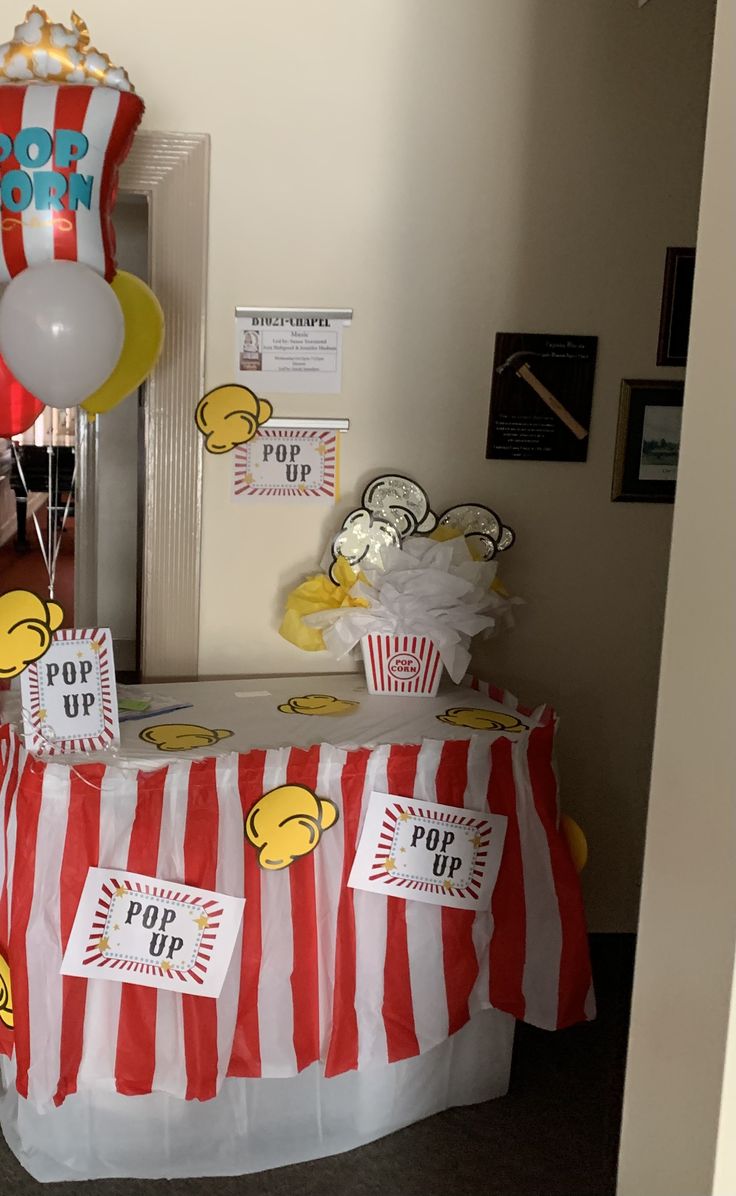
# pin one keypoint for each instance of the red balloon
(18, 407)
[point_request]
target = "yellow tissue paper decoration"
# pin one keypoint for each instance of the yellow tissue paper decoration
(27, 624)
(6, 995)
(288, 823)
(576, 841)
(45, 50)
(318, 593)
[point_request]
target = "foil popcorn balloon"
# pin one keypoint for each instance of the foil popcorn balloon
(67, 121)
(40, 49)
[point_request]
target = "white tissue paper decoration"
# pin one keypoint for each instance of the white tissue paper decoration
(426, 587)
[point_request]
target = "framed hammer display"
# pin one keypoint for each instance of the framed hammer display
(541, 396)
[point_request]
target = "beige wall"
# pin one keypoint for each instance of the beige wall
(450, 171)
(677, 1132)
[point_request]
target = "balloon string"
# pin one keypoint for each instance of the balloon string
(64, 518)
(50, 522)
(34, 517)
(47, 738)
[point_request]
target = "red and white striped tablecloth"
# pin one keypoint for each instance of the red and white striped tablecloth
(320, 971)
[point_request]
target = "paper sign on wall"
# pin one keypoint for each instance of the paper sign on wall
(423, 851)
(142, 930)
(69, 697)
(284, 351)
(287, 463)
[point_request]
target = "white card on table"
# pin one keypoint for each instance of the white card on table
(143, 930)
(423, 851)
(69, 698)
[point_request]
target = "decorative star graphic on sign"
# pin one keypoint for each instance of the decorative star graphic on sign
(121, 892)
(103, 945)
(202, 921)
(95, 646)
(476, 840)
(389, 864)
(166, 966)
(404, 816)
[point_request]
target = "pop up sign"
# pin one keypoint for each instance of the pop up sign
(287, 463)
(152, 932)
(69, 697)
(422, 851)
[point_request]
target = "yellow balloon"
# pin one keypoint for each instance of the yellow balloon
(576, 841)
(144, 336)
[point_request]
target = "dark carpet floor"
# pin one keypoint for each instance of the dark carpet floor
(555, 1134)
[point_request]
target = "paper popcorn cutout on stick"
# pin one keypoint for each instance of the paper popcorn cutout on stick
(27, 625)
(287, 823)
(182, 737)
(477, 719)
(401, 502)
(230, 415)
(319, 704)
(482, 528)
(362, 538)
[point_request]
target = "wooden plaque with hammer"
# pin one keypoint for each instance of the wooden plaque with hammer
(541, 396)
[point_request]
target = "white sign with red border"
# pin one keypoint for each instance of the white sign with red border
(289, 463)
(423, 851)
(142, 930)
(69, 697)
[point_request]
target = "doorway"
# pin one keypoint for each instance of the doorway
(108, 565)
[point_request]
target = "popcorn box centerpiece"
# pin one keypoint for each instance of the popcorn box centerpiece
(401, 664)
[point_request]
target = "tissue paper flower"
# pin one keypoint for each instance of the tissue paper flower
(426, 588)
(318, 593)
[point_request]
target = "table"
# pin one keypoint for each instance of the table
(344, 1015)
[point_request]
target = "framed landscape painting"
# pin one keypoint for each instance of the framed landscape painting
(647, 441)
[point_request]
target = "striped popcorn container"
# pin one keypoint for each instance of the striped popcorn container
(401, 664)
(62, 148)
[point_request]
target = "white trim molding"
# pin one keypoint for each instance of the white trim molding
(171, 172)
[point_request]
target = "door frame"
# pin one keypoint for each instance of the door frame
(171, 172)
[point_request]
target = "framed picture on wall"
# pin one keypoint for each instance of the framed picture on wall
(647, 441)
(677, 298)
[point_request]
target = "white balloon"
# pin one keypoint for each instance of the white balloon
(61, 331)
